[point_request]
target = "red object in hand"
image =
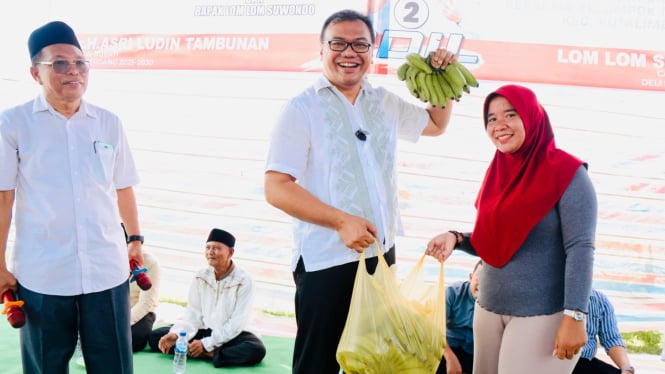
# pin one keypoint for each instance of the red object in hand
(139, 275)
(13, 309)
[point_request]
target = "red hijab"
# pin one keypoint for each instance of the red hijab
(520, 188)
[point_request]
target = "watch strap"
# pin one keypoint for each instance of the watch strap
(135, 238)
(575, 314)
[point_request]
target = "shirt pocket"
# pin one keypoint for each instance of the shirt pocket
(105, 155)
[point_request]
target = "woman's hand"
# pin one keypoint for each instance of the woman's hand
(570, 338)
(441, 246)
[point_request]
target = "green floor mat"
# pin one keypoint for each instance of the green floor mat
(278, 358)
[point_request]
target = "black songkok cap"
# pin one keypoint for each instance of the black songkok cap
(219, 235)
(56, 32)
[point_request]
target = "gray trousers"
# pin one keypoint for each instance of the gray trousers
(48, 338)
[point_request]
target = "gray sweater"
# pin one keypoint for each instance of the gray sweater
(553, 268)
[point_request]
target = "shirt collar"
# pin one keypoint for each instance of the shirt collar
(323, 82)
(41, 105)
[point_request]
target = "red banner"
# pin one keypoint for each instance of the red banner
(490, 60)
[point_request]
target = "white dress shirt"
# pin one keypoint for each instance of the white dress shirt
(315, 142)
(65, 173)
(224, 305)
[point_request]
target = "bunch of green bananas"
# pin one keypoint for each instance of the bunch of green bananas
(433, 85)
(404, 342)
(388, 360)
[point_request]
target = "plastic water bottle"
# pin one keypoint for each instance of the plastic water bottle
(180, 356)
(78, 355)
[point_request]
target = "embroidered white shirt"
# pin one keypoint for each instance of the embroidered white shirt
(314, 141)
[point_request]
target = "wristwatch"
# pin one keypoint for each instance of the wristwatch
(134, 238)
(576, 314)
(628, 368)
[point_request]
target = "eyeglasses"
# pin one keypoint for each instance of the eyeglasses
(62, 66)
(341, 46)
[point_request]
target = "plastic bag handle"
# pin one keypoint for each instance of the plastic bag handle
(379, 254)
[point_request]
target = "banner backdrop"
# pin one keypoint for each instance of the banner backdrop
(601, 43)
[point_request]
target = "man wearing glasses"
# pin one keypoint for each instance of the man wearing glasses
(67, 166)
(331, 166)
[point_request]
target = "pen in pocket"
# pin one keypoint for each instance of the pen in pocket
(99, 145)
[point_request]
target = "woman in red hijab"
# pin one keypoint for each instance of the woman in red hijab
(535, 230)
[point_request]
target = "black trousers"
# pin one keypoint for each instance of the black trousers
(245, 349)
(322, 303)
(594, 366)
(141, 330)
(48, 338)
(465, 359)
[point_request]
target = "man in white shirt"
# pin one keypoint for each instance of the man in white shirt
(68, 170)
(332, 167)
(219, 310)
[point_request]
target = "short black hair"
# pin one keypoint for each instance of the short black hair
(347, 15)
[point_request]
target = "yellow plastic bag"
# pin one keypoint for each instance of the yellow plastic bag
(385, 332)
(428, 299)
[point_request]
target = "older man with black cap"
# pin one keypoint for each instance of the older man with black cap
(218, 315)
(67, 167)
